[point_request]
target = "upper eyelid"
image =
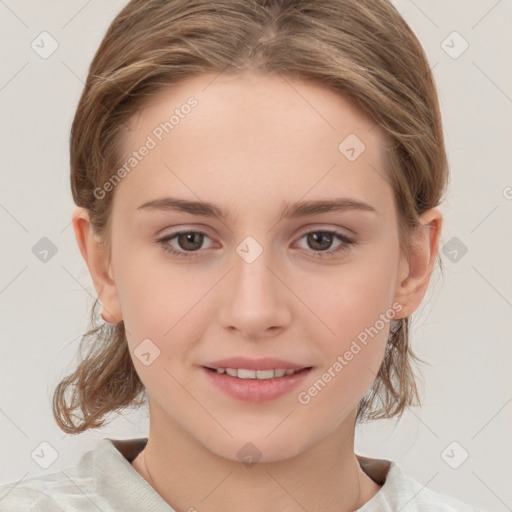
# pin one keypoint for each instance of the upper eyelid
(310, 229)
(306, 229)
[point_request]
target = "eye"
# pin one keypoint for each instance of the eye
(321, 240)
(318, 240)
(191, 241)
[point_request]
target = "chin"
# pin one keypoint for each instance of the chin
(258, 448)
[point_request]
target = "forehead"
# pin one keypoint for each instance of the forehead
(256, 99)
(249, 136)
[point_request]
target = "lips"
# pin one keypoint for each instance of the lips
(244, 373)
(267, 363)
(255, 385)
(255, 380)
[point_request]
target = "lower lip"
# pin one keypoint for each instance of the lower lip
(255, 390)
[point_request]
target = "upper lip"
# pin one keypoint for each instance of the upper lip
(266, 363)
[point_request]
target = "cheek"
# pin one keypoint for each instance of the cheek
(155, 294)
(162, 308)
(351, 357)
(359, 312)
(358, 296)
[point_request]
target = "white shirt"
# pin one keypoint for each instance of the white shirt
(105, 481)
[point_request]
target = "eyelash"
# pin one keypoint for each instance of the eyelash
(347, 243)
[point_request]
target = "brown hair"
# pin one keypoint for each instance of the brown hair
(362, 49)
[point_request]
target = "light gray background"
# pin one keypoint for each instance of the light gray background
(464, 332)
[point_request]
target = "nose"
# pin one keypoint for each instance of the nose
(255, 301)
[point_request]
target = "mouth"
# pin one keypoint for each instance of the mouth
(246, 373)
(253, 380)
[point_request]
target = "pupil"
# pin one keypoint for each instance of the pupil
(321, 235)
(189, 238)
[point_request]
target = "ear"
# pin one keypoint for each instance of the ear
(97, 260)
(414, 272)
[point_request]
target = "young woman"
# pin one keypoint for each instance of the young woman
(258, 187)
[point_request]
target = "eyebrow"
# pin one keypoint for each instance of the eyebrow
(299, 209)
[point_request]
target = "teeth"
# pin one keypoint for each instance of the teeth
(243, 373)
(264, 374)
(246, 374)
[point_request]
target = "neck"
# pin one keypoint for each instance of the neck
(326, 477)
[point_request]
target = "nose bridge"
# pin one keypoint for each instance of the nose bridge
(257, 299)
(253, 279)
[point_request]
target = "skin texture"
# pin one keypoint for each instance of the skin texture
(253, 143)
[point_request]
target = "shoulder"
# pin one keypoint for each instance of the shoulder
(38, 494)
(400, 491)
(102, 480)
(66, 491)
(420, 498)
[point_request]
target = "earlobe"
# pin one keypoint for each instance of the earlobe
(414, 273)
(97, 260)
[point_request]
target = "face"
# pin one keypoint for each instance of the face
(316, 289)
